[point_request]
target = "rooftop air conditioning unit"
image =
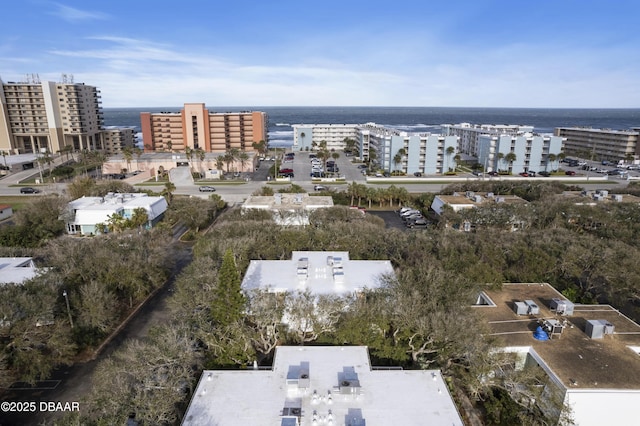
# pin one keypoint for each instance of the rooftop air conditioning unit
(561, 306)
(520, 308)
(532, 307)
(596, 329)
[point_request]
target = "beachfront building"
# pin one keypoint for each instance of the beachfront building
(117, 138)
(48, 116)
(308, 137)
(17, 270)
(469, 133)
(600, 144)
(409, 153)
(321, 272)
(322, 385)
(591, 353)
(513, 154)
(83, 215)
(196, 128)
(288, 209)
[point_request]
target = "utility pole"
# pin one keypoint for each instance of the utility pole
(66, 298)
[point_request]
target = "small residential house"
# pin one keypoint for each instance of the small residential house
(288, 209)
(85, 213)
(16, 270)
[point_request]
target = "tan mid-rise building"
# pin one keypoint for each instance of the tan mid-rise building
(116, 139)
(195, 127)
(600, 144)
(49, 116)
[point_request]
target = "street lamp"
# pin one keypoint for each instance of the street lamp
(66, 298)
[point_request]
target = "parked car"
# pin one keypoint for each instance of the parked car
(492, 173)
(570, 173)
(418, 224)
(362, 166)
(417, 174)
(544, 173)
(29, 190)
(286, 175)
(317, 174)
(524, 174)
(412, 218)
(206, 188)
(476, 173)
(320, 188)
(283, 171)
(404, 209)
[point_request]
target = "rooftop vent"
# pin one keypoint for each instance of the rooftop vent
(617, 197)
(292, 407)
(477, 198)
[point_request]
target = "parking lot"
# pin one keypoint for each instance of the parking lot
(302, 167)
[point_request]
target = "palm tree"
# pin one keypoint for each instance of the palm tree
(200, 155)
(550, 159)
(138, 153)
(510, 158)
(302, 135)
(561, 156)
(500, 158)
(450, 150)
(261, 147)
(220, 162)
(167, 192)
(243, 157)
(335, 155)
(127, 152)
(230, 156)
(397, 159)
(457, 159)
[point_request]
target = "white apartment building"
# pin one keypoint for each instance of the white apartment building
(417, 152)
(322, 385)
(469, 133)
(601, 144)
(47, 116)
(309, 136)
(518, 153)
(321, 272)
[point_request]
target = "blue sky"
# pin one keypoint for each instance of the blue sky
(547, 53)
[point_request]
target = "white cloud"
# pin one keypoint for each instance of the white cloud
(136, 72)
(71, 14)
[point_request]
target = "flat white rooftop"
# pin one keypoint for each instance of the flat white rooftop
(331, 385)
(322, 272)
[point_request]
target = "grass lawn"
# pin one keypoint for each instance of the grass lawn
(16, 202)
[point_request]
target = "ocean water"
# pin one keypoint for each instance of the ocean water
(411, 119)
